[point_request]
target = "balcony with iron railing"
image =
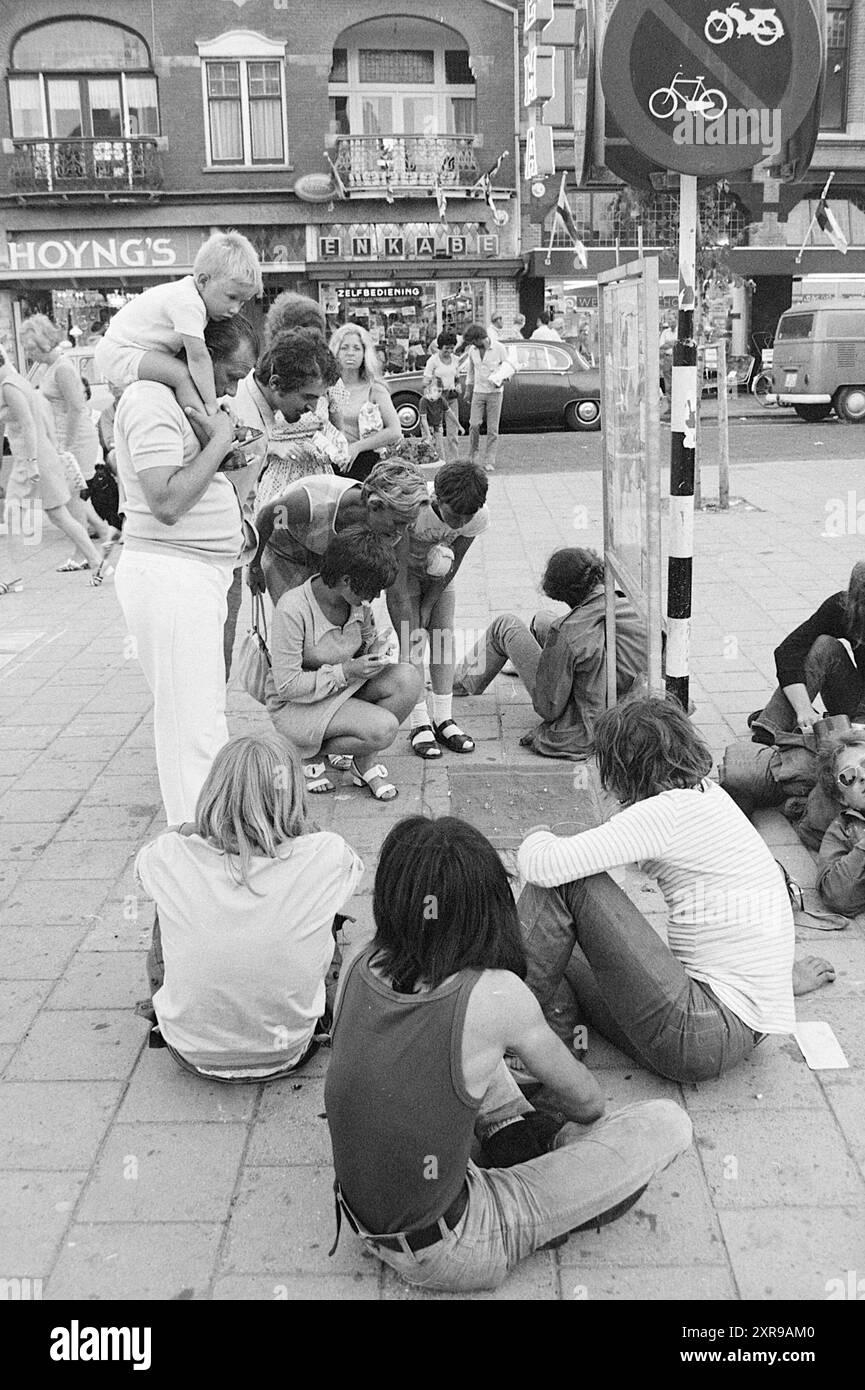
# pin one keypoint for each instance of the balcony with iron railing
(116, 165)
(406, 164)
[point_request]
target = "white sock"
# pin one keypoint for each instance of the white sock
(420, 714)
(441, 707)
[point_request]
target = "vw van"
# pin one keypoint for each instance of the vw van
(819, 362)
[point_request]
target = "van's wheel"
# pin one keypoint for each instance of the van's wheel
(583, 415)
(849, 404)
(812, 413)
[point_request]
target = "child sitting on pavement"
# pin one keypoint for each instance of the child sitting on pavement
(841, 866)
(143, 337)
(246, 897)
(423, 608)
(434, 412)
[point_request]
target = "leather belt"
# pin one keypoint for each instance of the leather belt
(427, 1235)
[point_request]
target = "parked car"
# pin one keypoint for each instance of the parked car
(554, 388)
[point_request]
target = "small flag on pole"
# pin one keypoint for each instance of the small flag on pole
(340, 186)
(828, 223)
(485, 184)
(564, 215)
(442, 200)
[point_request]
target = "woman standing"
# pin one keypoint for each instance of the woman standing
(369, 420)
(36, 468)
(76, 433)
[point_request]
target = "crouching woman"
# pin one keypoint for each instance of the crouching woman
(245, 897)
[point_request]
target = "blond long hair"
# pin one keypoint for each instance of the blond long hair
(370, 368)
(253, 800)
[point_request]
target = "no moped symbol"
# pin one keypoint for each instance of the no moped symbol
(764, 25)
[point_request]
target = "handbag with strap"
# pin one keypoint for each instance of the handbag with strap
(253, 662)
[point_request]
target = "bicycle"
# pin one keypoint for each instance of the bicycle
(708, 102)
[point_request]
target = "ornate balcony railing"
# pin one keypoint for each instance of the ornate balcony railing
(404, 163)
(86, 166)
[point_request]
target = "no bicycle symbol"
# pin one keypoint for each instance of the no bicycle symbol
(709, 90)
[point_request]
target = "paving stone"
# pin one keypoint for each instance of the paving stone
(672, 1224)
(87, 860)
(139, 1261)
(784, 1252)
(165, 1172)
(43, 774)
(775, 1077)
(291, 1127)
(36, 953)
(41, 902)
(35, 1209)
(101, 980)
(30, 739)
(41, 806)
(124, 791)
(100, 823)
(54, 1124)
(161, 1090)
(845, 1092)
(796, 1159)
(7, 1051)
(24, 840)
(79, 1045)
(292, 1287)
(22, 1000)
(283, 1222)
(668, 1283)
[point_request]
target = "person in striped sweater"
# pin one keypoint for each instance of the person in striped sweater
(695, 1007)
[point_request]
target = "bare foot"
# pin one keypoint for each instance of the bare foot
(811, 973)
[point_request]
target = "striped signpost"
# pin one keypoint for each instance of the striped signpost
(683, 452)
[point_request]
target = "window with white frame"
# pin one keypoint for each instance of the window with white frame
(424, 85)
(833, 115)
(243, 84)
(81, 78)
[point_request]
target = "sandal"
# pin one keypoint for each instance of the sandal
(424, 748)
(385, 792)
(73, 566)
(100, 575)
(342, 762)
(456, 740)
(317, 783)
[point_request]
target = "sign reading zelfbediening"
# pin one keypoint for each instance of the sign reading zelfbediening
(711, 91)
(628, 302)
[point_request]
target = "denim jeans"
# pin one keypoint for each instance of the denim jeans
(506, 639)
(628, 985)
(485, 406)
(830, 673)
(511, 1212)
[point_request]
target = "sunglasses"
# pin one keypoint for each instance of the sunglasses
(848, 775)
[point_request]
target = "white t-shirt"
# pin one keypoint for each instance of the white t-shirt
(544, 331)
(730, 923)
(245, 967)
(160, 318)
(151, 431)
(430, 530)
(445, 371)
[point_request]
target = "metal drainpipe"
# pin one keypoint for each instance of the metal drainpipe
(509, 9)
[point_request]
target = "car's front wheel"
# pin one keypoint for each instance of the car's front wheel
(407, 409)
(849, 404)
(583, 415)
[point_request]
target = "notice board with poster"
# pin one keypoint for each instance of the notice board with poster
(629, 335)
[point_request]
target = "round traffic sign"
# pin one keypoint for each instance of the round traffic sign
(703, 89)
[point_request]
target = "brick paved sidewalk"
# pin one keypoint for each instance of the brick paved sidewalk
(121, 1176)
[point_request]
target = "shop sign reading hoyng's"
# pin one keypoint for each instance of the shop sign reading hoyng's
(132, 249)
(378, 245)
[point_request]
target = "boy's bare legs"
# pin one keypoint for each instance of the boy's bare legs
(170, 371)
(439, 625)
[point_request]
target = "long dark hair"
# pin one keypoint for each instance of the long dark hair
(854, 604)
(647, 746)
(442, 903)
